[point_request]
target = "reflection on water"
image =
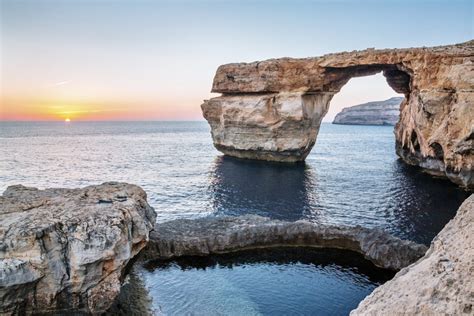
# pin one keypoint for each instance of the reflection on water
(276, 190)
(410, 204)
(351, 177)
(419, 203)
(297, 281)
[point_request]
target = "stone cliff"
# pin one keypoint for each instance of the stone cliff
(440, 283)
(65, 251)
(384, 112)
(272, 110)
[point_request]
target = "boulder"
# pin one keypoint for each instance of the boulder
(65, 250)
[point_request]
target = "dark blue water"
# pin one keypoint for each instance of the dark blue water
(263, 282)
(351, 177)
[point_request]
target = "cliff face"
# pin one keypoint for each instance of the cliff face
(440, 283)
(272, 110)
(372, 113)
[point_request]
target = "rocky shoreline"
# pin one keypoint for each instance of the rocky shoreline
(440, 283)
(69, 250)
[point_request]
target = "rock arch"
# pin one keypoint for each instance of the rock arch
(272, 110)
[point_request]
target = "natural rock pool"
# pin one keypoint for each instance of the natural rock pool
(281, 281)
(352, 177)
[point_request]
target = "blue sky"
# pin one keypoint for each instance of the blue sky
(158, 58)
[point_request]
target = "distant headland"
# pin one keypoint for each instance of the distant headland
(384, 112)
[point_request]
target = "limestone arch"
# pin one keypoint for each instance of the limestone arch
(272, 110)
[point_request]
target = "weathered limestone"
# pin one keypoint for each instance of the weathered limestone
(441, 283)
(384, 112)
(64, 250)
(214, 235)
(272, 109)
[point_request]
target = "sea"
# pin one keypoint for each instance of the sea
(351, 177)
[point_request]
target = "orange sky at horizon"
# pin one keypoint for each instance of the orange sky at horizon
(155, 60)
(59, 110)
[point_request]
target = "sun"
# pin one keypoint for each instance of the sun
(67, 120)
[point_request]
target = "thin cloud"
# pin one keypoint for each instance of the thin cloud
(61, 83)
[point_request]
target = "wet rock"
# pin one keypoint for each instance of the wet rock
(64, 250)
(384, 112)
(272, 109)
(441, 283)
(213, 235)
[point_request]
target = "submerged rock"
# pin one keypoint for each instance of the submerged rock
(441, 283)
(384, 112)
(65, 250)
(213, 235)
(272, 109)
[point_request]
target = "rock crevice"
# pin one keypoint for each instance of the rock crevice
(272, 109)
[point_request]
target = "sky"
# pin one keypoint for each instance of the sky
(155, 60)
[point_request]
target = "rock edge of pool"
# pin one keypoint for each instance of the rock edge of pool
(70, 250)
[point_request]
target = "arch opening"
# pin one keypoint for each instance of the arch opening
(367, 100)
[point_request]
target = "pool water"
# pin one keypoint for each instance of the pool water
(277, 281)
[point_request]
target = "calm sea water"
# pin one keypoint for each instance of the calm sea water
(351, 177)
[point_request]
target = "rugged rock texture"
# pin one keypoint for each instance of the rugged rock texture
(441, 283)
(213, 235)
(384, 112)
(65, 249)
(272, 109)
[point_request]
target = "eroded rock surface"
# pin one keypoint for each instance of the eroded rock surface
(441, 283)
(272, 110)
(214, 235)
(64, 250)
(384, 112)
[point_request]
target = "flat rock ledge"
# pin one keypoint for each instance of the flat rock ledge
(441, 283)
(65, 250)
(214, 235)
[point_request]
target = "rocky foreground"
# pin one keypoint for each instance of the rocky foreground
(65, 250)
(441, 283)
(213, 235)
(272, 109)
(384, 112)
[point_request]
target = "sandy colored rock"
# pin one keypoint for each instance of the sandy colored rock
(64, 250)
(213, 235)
(441, 283)
(272, 109)
(384, 112)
